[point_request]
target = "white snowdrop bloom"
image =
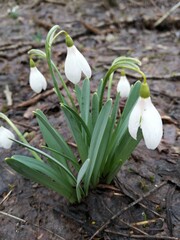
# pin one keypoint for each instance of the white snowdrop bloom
(75, 64)
(5, 135)
(146, 116)
(36, 80)
(123, 87)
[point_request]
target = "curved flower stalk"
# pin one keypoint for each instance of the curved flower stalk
(5, 138)
(75, 63)
(123, 86)
(36, 80)
(146, 116)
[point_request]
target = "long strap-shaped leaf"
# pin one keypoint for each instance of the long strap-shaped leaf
(51, 159)
(54, 140)
(122, 153)
(96, 140)
(122, 126)
(41, 173)
(85, 101)
(75, 122)
(123, 122)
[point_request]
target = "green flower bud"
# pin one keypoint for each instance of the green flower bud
(69, 41)
(32, 63)
(144, 90)
(123, 72)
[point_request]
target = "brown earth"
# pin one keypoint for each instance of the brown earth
(103, 30)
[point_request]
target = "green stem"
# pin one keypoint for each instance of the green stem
(64, 86)
(56, 87)
(108, 75)
(110, 86)
(19, 134)
(49, 41)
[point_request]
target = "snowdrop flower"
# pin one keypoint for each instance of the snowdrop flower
(146, 116)
(123, 86)
(36, 80)
(75, 63)
(5, 135)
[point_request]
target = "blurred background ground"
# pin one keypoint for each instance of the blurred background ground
(102, 30)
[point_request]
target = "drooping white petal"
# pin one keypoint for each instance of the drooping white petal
(5, 135)
(36, 80)
(84, 65)
(72, 68)
(123, 87)
(151, 125)
(135, 118)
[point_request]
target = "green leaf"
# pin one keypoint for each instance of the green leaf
(85, 101)
(122, 125)
(102, 154)
(54, 140)
(82, 172)
(115, 110)
(97, 138)
(63, 155)
(75, 127)
(78, 120)
(78, 93)
(95, 109)
(123, 151)
(80, 176)
(41, 173)
(51, 159)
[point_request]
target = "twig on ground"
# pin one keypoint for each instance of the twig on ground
(8, 95)
(157, 23)
(147, 222)
(35, 99)
(151, 237)
(155, 213)
(4, 199)
(126, 208)
(127, 224)
(91, 28)
(134, 228)
(25, 125)
(35, 225)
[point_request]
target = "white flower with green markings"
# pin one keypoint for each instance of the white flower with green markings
(146, 116)
(36, 80)
(123, 86)
(75, 63)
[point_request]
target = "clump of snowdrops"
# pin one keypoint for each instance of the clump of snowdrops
(104, 139)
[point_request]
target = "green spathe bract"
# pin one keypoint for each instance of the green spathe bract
(100, 134)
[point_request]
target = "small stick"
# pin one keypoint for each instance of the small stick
(35, 99)
(157, 23)
(12, 216)
(126, 208)
(8, 95)
(134, 228)
(4, 199)
(147, 222)
(151, 237)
